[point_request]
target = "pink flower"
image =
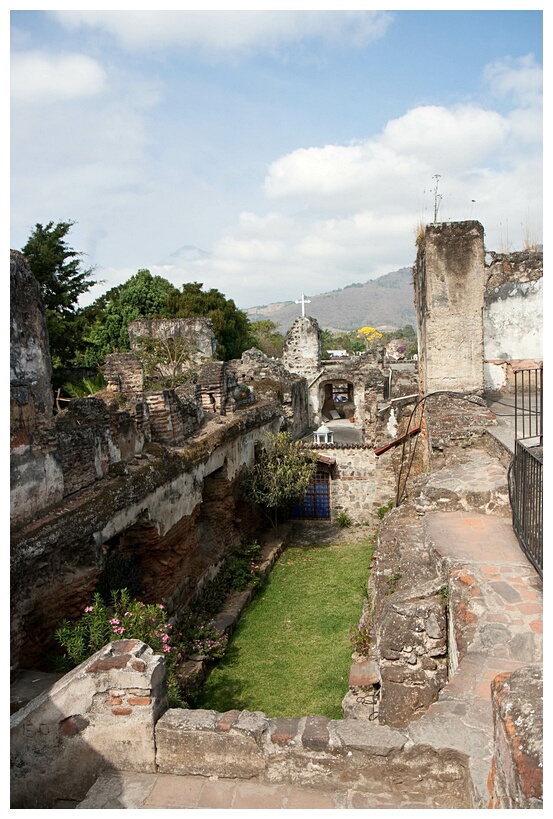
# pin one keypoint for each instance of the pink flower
(165, 638)
(114, 622)
(128, 614)
(167, 648)
(161, 607)
(89, 608)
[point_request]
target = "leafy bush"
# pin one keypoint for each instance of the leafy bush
(240, 569)
(85, 386)
(128, 618)
(125, 619)
(343, 520)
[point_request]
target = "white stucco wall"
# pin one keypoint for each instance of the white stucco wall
(513, 322)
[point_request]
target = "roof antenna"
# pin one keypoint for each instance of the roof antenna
(437, 197)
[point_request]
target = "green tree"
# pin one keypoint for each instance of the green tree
(56, 266)
(231, 326)
(143, 296)
(58, 269)
(280, 476)
(267, 338)
(347, 341)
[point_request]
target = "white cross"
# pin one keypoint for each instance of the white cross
(303, 302)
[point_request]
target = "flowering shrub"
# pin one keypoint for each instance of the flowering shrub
(197, 636)
(360, 638)
(125, 619)
(241, 568)
(130, 619)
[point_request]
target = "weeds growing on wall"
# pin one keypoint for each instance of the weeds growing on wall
(361, 637)
(384, 509)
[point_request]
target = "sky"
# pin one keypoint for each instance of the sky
(269, 154)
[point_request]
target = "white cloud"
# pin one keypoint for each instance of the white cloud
(411, 148)
(42, 77)
(521, 79)
(231, 31)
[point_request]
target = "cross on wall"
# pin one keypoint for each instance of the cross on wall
(303, 301)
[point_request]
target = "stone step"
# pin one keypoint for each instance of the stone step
(126, 790)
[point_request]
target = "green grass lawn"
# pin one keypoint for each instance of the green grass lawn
(290, 655)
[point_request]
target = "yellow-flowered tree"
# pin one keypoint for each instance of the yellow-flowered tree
(369, 336)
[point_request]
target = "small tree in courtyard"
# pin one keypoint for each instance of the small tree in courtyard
(280, 476)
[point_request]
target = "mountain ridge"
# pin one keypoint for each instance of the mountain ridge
(385, 303)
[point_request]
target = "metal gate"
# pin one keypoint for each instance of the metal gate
(316, 502)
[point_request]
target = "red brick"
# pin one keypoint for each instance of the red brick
(123, 646)
(114, 701)
(72, 726)
(139, 665)
(227, 720)
(139, 700)
(284, 730)
(109, 663)
(121, 712)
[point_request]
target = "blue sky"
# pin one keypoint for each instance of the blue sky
(273, 153)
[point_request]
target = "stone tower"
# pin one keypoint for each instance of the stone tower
(303, 347)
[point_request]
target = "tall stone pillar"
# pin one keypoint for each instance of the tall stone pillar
(449, 297)
(302, 355)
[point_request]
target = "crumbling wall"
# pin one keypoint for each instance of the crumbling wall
(303, 348)
(124, 373)
(367, 387)
(449, 278)
(196, 333)
(152, 508)
(100, 716)
(517, 766)
(35, 474)
(408, 616)
(271, 381)
(513, 316)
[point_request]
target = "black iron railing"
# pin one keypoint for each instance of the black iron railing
(526, 470)
(529, 404)
(526, 497)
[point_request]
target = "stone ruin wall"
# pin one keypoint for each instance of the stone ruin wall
(196, 333)
(103, 477)
(111, 712)
(360, 483)
(303, 348)
(489, 305)
(449, 293)
(271, 381)
(175, 514)
(513, 316)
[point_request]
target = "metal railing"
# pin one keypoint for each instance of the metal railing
(529, 404)
(525, 475)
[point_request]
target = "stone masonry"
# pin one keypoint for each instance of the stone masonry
(449, 293)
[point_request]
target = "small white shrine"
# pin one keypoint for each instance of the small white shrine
(323, 435)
